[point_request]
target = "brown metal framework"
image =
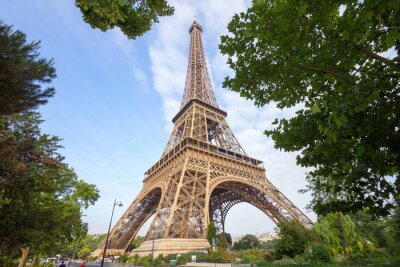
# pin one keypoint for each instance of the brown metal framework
(202, 173)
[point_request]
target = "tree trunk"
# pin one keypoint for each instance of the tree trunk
(24, 257)
(341, 231)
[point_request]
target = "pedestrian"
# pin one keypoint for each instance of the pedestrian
(62, 264)
(83, 264)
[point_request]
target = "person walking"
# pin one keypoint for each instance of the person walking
(83, 264)
(62, 264)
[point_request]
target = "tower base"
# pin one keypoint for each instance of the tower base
(171, 246)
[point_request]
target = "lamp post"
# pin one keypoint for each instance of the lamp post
(119, 203)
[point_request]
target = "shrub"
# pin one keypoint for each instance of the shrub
(123, 258)
(270, 256)
(285, 261)
(320, 253)
(182, 260)
(251, 256)
(360, 246)
(145, 261)
(357, 256)
(200, 256)
(134, 259)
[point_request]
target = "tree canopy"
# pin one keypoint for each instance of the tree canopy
(337, 231)
(338, 63)
(294, 238)
(41, 197)
(247, 242)
(133, 17)
(211, 232)
(22, 73)
(136, 242)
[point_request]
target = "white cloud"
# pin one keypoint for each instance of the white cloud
(140, 77)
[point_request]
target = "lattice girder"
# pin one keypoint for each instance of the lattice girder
(142, 208)
(190, 179)
(198, 83)
(204, 124)
(202, 173)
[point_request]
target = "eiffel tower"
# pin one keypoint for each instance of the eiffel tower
(202, 173)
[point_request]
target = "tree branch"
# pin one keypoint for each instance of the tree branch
(373, 55)
(327, 71)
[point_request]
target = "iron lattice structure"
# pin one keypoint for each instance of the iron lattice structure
(202, 173)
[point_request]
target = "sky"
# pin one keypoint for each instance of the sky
(115, 99)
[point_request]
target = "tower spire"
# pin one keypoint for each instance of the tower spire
(198, 83)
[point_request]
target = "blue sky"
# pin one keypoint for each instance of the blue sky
(115, 99)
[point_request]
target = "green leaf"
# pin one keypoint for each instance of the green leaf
(315, 108)
(345, 35)
(392, 36)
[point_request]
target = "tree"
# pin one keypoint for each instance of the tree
(22, 73)
(211, 232)
(294, 238)
(133, 17)
(228, 238)
(222, 242)
(395, 231)
(371, 228)
(80, 241)
(331, 61)
(84, 253)
(337, 231)
(137, 242)
(41, 197)
(247, 242)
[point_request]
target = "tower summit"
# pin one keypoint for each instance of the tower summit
(198, 83)
(202, 173)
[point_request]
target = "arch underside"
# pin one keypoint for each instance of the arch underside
(137, 214)
(228, 194)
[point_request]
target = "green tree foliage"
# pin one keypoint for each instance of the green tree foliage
(372, 229)
(250, 256)
(337, 231)
(328, 60)
(247, 242)
(320, 253)
(182, 260)
(40, 195)
(221, 241)
(133, 17)
(395, 225)
(228, 238)
(294, 238)
(123, 258)
(137, 242)
(269, 245)
(22, 73)
(80, 240)
(211, 232)
(84, 252)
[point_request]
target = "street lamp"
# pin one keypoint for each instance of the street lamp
(119, 203)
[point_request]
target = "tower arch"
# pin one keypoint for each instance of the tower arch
(143, 207)
(230, 191)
